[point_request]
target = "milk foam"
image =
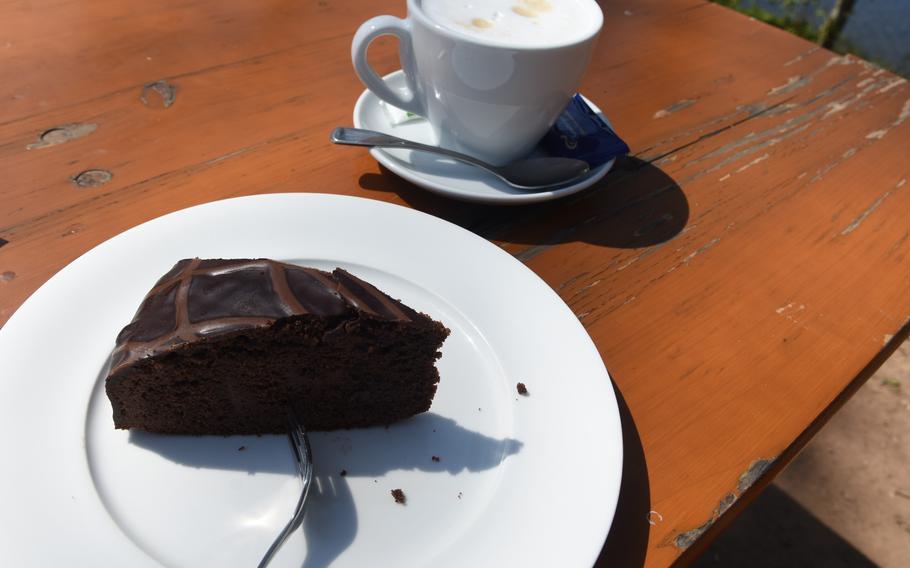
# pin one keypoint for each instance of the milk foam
(524, 23)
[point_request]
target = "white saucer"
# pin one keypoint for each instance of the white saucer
(445, 176)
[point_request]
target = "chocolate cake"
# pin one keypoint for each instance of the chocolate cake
(232, 346)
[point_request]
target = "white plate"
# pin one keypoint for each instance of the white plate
(522, 481)
(443, 175)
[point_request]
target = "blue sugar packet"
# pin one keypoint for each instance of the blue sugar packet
(580, 133)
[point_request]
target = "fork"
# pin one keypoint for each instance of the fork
(300, 445)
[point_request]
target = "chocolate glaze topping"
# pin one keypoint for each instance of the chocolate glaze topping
(204, 298)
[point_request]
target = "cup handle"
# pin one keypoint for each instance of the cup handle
(370, 30)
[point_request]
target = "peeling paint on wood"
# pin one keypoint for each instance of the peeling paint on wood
(654, 517)
(751, 475)
(677, 106)
(755, 470)
(572, 280)
(800, 57)
(834, 108)
(788, 128)
(869, 210)
(841, 60)
(752, 111)
(904, 114)
(61, 134)
(743, 153)
(531, 252)
(726, 503)
(163, 91)
(793, 83)
(651, 250)
(891, 84)
(752, 163)
(788, 312)
(685, 540)
(693, 254)
(855, 223)
(783, 309)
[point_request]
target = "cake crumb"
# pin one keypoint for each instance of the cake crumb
(241, 448)
(522, 389)
(435, 458)
(343, 473)
(398, 494)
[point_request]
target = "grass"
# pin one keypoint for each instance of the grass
(790, 21)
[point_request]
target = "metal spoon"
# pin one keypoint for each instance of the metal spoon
(528, 174)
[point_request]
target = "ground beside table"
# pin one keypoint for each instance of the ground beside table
(741, 275)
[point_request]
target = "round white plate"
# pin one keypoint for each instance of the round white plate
(521, 481)
(444, 175)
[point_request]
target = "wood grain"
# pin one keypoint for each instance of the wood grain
(741, 273)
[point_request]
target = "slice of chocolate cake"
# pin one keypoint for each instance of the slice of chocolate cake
(230, 346)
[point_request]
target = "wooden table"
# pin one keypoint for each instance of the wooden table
(742, 274)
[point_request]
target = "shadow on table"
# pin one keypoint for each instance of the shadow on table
(366, 452)
(627, 543)
(775, 530)
(635, 205)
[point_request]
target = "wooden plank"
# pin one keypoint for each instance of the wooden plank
(745, 317)
(56, 53)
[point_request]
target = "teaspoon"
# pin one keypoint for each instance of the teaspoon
(528, 174)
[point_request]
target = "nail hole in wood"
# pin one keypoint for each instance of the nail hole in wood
(72, 230)
(92, 178)
(161, 91)
(61, 134)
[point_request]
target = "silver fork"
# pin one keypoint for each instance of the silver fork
(300, 445)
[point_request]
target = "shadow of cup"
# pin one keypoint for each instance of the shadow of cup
(636, 205)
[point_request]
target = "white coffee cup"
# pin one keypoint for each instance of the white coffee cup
(491, 97)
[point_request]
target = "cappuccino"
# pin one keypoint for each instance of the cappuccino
(490, 76)
(519, 23)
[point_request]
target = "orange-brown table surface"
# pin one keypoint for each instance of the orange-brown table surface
(741, 274)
